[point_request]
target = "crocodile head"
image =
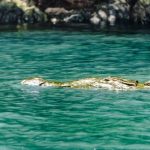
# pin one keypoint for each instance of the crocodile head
(33, 82)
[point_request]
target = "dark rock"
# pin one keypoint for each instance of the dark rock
(80, 3)
(9, 13)
(139, 14)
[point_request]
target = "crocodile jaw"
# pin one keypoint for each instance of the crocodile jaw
(33, 82)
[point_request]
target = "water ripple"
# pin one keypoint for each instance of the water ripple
(54, 118)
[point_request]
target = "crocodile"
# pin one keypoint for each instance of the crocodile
(110, 83)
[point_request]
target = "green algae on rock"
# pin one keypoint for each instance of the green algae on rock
(110, 83)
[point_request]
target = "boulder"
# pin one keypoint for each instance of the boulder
(19, 11)
(141, 13)
(9, 13)
(57, 11)
(103, 15)
(95, 20)
(112, 20)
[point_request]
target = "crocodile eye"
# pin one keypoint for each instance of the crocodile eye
(41, 83)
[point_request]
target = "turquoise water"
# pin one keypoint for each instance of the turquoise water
(73, 119)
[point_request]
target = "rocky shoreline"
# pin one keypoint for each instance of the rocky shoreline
(99, 14)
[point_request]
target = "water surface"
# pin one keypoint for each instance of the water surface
(73, 119)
